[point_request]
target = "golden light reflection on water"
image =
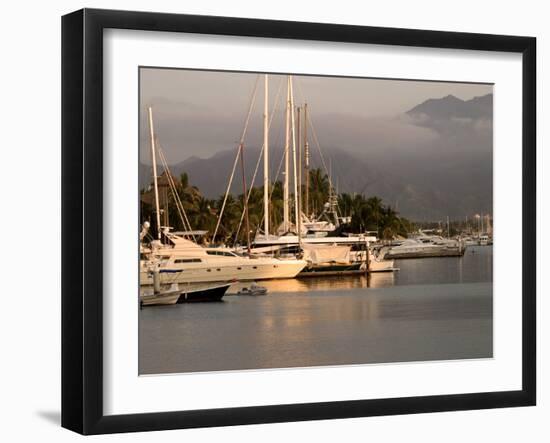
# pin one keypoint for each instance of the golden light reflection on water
(377, 280)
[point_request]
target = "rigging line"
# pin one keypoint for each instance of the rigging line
(179, 204)
(171, 183)
(319, 149)
(275, 105)
(250, 107)
(276, 177)
(314, 132)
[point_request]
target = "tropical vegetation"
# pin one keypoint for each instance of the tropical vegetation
(366, 213)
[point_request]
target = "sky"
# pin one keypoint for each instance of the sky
(199, 113)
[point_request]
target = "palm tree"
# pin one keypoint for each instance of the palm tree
(319, 189)
(366, 213)
(203, 217)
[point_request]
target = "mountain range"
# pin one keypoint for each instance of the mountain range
(448, 173)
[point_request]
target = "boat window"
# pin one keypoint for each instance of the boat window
(187, 260)
(222, 253)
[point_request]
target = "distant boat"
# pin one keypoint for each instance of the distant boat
(425, 247)
(469, 241)
(485, 240)
(253, 289)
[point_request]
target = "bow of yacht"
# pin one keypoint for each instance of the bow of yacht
(185, 261)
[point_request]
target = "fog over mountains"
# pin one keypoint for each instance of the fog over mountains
(429, 162)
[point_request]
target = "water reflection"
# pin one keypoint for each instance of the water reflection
(475, 266)
(428, 310)
(348, 326)
(309, 284)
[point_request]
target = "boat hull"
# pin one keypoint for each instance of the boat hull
(168, 298)
(381, 266)
(218, 272)
(211, 294)
(425, 253)
(331, 269)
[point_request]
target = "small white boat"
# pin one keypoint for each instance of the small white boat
(169, 297)
(253, 289)
(485, 240)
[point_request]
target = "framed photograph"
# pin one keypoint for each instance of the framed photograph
(269, 221)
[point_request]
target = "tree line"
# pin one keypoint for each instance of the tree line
(367, 214)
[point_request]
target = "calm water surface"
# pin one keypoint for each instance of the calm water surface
(431, 309)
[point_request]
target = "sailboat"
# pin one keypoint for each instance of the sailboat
(307, 236)
(184, 261)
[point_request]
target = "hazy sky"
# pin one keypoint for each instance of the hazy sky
(198, 113)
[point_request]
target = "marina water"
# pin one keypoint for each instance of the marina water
(431, 309)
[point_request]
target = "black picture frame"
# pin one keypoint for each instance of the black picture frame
(82, 218)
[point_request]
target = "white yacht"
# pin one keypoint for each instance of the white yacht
(183, 261)
(347, 253)
(425, 246)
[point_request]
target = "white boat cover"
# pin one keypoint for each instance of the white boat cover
(319, 254)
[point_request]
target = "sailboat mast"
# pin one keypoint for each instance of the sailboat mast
(266, 156)
(245, 202)
(286, 211)
(294, 160)
(154, 159)
(299, 142)
(306, 155)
